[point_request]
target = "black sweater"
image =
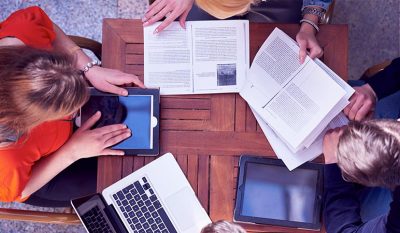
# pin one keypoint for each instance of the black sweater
(387, 81)
(342, 207)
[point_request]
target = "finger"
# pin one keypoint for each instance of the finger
(182, 18)
(159, 16)
(109, 128)
(155, 10)
(116, 139)
(108, 151)
(128, 79)
(355, 108)
(315, 52)
(115, 133)
(90, 122)
(347, 109)
(167, 21)
(302, 51)
(155, 3)
(363, 111)
(114, 89)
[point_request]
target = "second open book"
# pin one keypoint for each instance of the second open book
(293, 103)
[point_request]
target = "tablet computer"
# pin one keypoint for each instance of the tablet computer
(268, 193)
(140, 111)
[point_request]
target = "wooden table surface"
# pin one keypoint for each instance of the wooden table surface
(206, 133)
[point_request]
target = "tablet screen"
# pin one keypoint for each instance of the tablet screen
(134, 110)
(273, 192)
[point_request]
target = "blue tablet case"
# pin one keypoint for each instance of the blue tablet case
(140, 111)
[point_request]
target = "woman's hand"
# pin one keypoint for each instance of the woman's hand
(86, 142)
(171, 9)
(362, 103)
(330, 144)
(307, 41)
(107, 80)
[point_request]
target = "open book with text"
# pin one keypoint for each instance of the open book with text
(206, 57)
(294, 104)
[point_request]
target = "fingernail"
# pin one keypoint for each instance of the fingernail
(155, 31)
(144, 19)
(122, 153)
(124, 92)
(124, 126)
(146, 23)
(128, 134)
(98, 113)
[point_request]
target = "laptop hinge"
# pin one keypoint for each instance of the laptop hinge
(115, 219)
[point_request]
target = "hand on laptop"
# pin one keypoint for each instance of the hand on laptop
(108, 80)
(330, 144)
(86, 142)
(170, 9)
(362, 103)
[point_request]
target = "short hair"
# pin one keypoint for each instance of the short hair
(37, 86)
(223, 226)
(369, 153)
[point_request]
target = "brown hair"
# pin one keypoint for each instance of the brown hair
(36, 86)
(223, 226)
(369, 153)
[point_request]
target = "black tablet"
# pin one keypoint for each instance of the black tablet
(268, 193)
(140, 111)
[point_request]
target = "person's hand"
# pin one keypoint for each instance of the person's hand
(307, 41)
(171, 9)
(86, 142)
(362, 103)
(330, 144)
(107, 80)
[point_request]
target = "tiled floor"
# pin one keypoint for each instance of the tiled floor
(373, 29)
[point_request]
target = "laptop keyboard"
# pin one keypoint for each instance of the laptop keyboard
(95, 221)
(142, 209)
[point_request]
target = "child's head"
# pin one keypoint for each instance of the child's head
(369, 153)
(223, 227)
(36, 86)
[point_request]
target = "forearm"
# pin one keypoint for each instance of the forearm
(387, 81)
(47, 168)
(64, 44)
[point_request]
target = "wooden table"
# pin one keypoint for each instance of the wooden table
(206, 133)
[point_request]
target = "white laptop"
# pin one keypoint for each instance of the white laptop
(156, 198)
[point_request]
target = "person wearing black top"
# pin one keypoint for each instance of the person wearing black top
(362, 154)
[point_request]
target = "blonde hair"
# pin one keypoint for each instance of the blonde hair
(223, 9)
(36, 86)
(223, 226)
(369, 153)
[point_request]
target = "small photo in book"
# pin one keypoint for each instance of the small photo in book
(226, 74)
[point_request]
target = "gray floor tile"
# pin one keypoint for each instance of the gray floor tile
(131, 9)
(373, 31)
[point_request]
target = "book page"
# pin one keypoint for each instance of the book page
(220, 55)
(206, 57)
(168, 59)
(293, 105)
(294, 160)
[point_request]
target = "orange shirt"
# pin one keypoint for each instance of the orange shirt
(35, 29)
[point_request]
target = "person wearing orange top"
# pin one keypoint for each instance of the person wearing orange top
(41, 88)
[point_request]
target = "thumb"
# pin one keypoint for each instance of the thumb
(91, 121)
(303, 49)
(182, 18)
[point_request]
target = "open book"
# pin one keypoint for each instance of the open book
(206, 57)
(294, 104)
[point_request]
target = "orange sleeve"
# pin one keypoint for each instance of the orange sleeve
(12, 184)
(31, 25)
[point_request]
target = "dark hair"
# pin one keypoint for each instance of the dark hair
(37, 86)
(369, 153)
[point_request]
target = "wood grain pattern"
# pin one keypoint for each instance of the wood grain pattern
(206, 133)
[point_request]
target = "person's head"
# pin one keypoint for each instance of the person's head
(222, 226)
(369, 153)
(223, 9)
(36, 86)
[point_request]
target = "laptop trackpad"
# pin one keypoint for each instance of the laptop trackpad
(184, 207)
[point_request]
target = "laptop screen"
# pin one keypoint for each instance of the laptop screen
(287, 196)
